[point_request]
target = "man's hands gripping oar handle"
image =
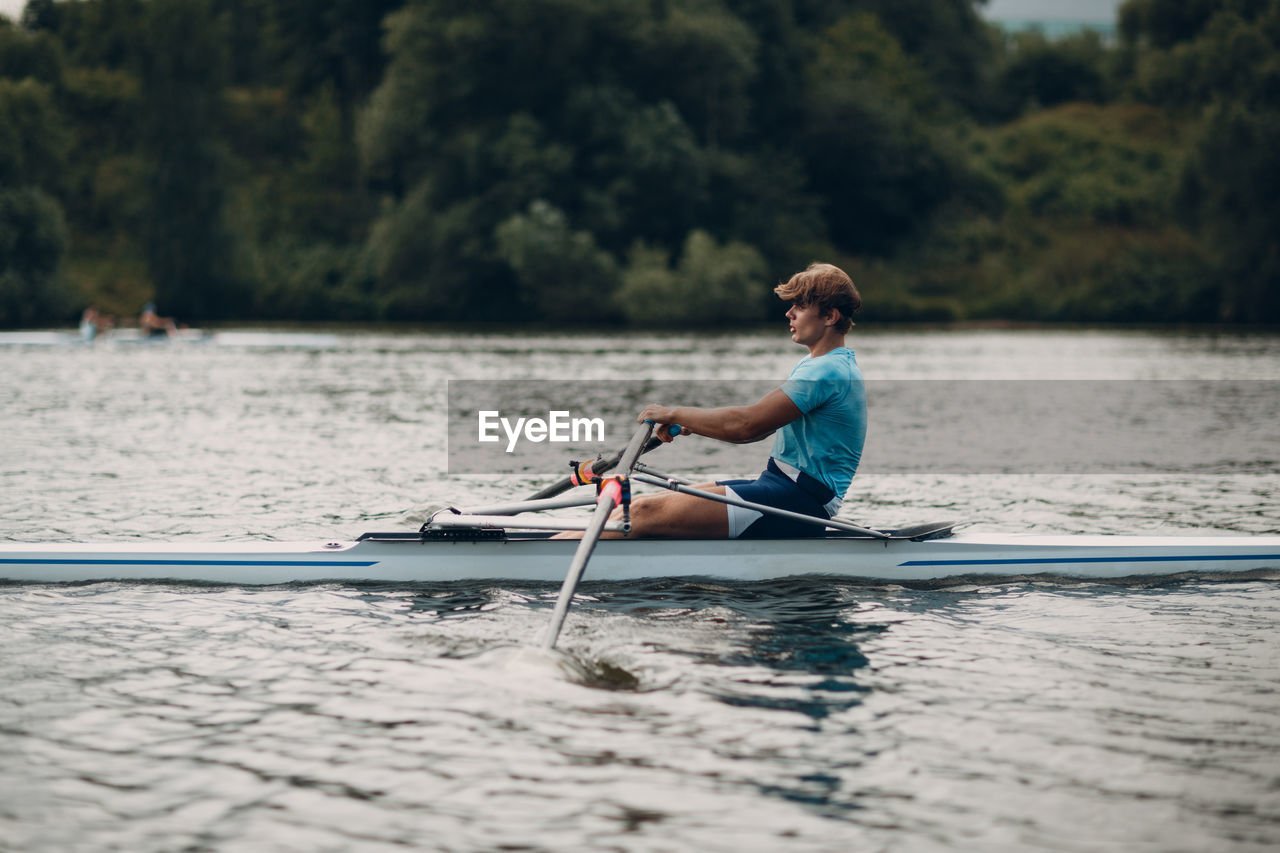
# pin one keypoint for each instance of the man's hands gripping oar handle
(595, 467)
(614, 492)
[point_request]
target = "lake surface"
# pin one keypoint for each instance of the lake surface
(682, 715)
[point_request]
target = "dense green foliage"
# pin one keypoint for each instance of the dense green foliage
(660, 163)
(32, 230)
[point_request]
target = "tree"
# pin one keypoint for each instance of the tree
(33, 240)
(948, 40)
(28, 52)
(1165, 23)
(482, 112)
(879, 164)
(333, 46)
(563, 275)
(33, 234)
(639, 169)
(101, 33)
(1221, 60)
(1044, 73)
(40, 15)
(1230, 192)
(191, 249)
(701, 58)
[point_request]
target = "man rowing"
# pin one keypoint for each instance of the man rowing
(819, 416)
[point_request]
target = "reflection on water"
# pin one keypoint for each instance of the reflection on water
(800, 715)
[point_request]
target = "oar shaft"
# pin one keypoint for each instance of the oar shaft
(641, 442)
(530, 505)
(579, 564)
(675, 486)
(610, 496)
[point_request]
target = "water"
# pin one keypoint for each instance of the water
(798, 715)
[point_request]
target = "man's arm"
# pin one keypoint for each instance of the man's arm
(737, 424)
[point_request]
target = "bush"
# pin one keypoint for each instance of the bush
(314, 282)
(562, 273)
(1107, 165)
(1114, 276)
(712, 284)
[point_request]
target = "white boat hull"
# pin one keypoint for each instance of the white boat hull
(534, 558)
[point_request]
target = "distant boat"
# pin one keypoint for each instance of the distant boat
(42, 339)
(128, 335)
(57, 338)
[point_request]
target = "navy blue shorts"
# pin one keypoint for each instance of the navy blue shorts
(774, 488)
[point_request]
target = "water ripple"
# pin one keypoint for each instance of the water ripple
(804, 715)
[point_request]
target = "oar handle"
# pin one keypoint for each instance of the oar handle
(673, 430)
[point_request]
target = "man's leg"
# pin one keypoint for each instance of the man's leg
(676, 516)
(672, 516)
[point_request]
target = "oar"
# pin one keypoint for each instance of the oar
(610, 497)
(596, 467)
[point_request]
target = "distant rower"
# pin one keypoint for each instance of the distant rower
(151, 323)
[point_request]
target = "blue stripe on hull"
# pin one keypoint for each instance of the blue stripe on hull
(1204, 558)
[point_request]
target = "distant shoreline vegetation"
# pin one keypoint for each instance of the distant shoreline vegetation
(1056, 28)
(641, 165)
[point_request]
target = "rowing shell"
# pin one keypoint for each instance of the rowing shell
(498, 555)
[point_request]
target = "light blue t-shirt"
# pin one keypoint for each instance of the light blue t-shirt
(825, 442)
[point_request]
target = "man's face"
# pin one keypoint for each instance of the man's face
(807, 323)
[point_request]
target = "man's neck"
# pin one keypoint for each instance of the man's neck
(828, 342)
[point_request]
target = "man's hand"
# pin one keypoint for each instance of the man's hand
(662, 417)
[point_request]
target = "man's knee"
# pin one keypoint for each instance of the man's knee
(677, 515)
(648, 512)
